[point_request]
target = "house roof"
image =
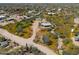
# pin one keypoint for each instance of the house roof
(4, 43)
(10, 19)
(76, 20)
(1, 16)
(45, 39)
(77, 36)
(1, 19)
(46, 24)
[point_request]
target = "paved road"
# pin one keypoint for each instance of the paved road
(29, 41)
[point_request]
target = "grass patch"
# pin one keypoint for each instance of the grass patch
(22, 28)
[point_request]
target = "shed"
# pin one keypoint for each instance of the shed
(46, 40)
(4, 43)
(1, 19)
(77, 38)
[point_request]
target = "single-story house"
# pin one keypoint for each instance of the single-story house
(2, 16)
(4, 43)
(77, 34)
(77, 38)
(10, 19)
(76, 20)
(51, 13)
(1, 19)
(45, 25)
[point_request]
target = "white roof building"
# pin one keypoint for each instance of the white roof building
(59, 9)
(2, 16)
(45, 24)
(76, 20)
(51, 13)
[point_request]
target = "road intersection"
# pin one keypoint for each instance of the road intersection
(29, 41)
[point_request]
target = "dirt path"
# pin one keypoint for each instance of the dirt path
(29, 41)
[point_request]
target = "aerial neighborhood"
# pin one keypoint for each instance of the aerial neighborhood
(39, 29)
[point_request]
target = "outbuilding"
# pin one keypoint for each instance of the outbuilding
(76, 20)
(4, 44)
(46, 40)
(77, 38)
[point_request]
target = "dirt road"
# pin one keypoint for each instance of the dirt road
(29, 41)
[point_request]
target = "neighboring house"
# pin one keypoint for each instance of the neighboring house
(1, 18)
(26, 17)
(76, 34)
(31, 11)
(16, 17)
(76, 20)
(45, 24)
(51, 13)
(3, 42)
(59, 9)
(10, 19)
(77, 38)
